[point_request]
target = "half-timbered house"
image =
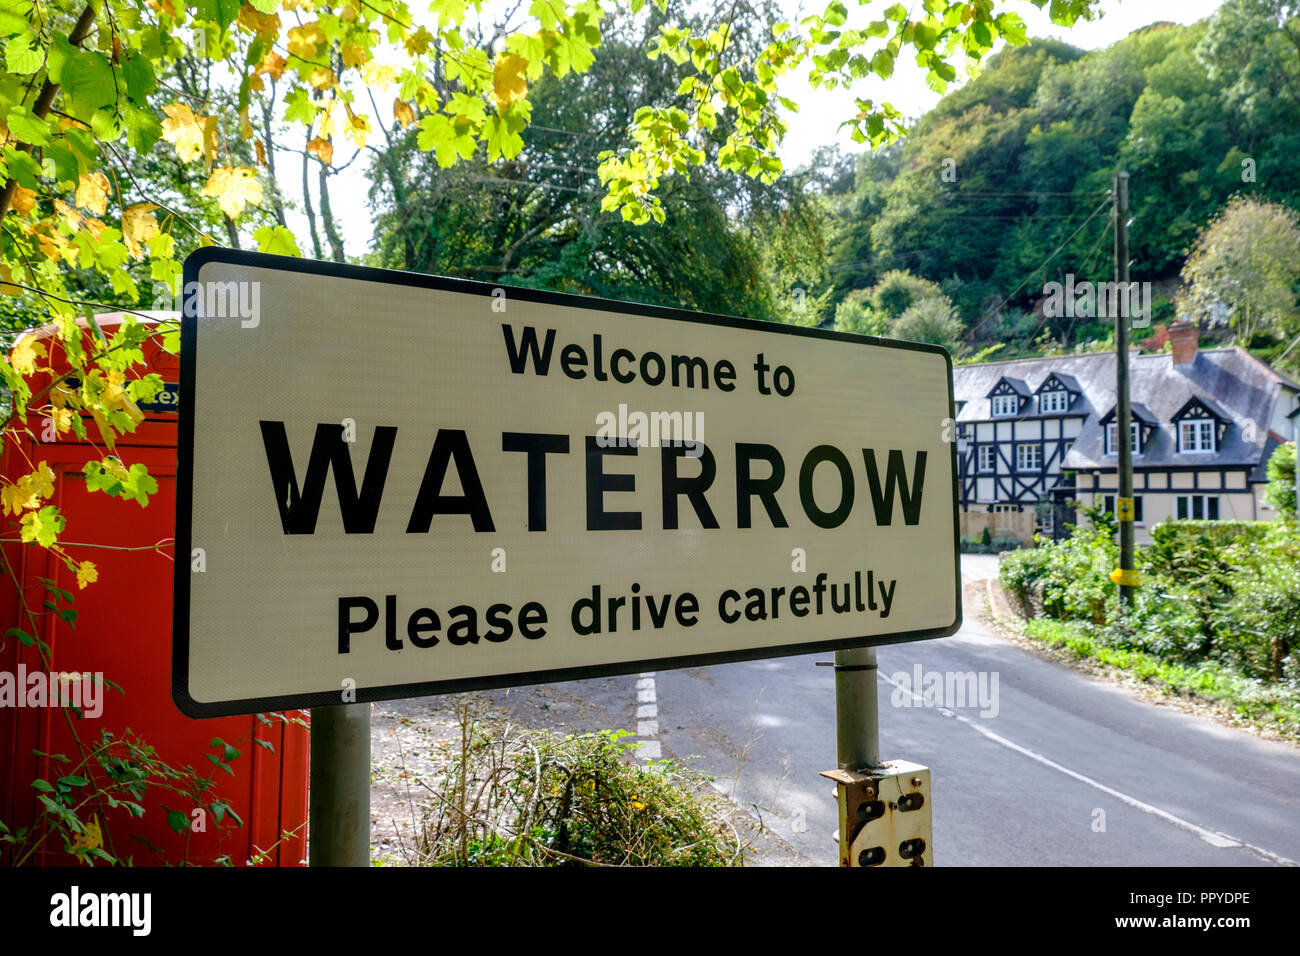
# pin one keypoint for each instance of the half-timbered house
(1039, 434)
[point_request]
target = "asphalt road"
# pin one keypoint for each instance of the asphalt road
(1064, 770)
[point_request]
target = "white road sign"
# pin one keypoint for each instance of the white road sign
(393, 485)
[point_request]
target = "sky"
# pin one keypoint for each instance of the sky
(821, 112)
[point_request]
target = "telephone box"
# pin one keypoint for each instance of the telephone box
(122, 630)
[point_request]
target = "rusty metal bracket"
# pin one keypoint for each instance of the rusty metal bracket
(885, 816)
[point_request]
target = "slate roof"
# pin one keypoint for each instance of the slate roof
(1227, 379)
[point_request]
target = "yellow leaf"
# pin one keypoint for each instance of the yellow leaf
(17, 497)
(209, 139)
(26, 351)
(184, 131)
(234, 187)
(261, 152)
(23, 201)
(321, 79)
(322, 149)
(272, 64)
(245, 127)
(62, 418)
(419, 41)
(87, 573)
(304, 40)
(403, 113)
(42, 480)
(7, 286)
(358, 128)
(91, 836)
(378, 75)
(267, 24)
(354, 54)
(68, 214)
(138, 227)
(508, 80)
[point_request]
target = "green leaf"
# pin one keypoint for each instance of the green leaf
(43, 785)
(140, 79)
(66, 167)
(88, 78)
(22, 167)
(43, 527)
(23, 637)
(28, 127)
(276, 241)
(22, 56)
(178, 821)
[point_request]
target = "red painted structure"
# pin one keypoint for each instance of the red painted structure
(123, 629)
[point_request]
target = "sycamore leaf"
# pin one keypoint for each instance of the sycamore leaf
(87, 573)
(509, 80)
(234, 187)
(272, 64)
(138, 227)
(43, 527)
(322, 149)
(354, 54)
(17, 498)
(26, 351)
(276, 241)
(184, 131)
(42, 480)
(304, 40)
(403, 113)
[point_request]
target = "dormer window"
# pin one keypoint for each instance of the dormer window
(1004, 405)
(1196, 435)
(1056, 401)
(1200, 425)
(1112, 438)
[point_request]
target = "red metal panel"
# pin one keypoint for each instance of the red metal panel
(123, 629)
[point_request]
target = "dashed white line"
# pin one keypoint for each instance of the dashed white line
(647, 713)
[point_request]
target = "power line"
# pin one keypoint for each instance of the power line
(1102, 205)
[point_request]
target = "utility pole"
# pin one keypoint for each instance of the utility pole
(1124, 418)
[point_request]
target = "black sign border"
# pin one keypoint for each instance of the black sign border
(185, 476)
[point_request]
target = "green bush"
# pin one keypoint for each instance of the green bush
(1067, 579)
(540, 799)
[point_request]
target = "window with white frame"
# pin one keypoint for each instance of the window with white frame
(1029, 457)
(1112, 438)
(988, 458)
(1198, 507)
(1054, 401)
(1006, 404)
(1196, 434)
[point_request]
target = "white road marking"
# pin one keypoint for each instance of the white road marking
(1212, 837)
(647, 712)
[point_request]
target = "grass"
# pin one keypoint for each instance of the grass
(1271, 706)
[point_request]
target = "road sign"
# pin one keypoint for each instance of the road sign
(393, 485)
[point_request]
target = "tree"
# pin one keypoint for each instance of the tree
(1243, 270)
(87, 94)
(932, 320)
(1280, 493)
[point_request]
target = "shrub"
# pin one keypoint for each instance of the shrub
(539, 799)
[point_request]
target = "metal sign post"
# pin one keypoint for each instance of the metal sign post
(338, 823)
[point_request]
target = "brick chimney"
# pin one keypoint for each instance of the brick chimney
(1184, 336)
